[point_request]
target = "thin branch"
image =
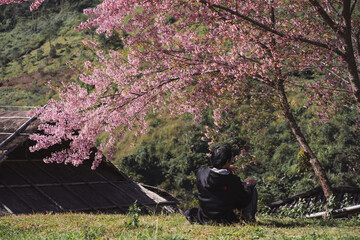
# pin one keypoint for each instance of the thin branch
(334, 9)
(353, 7)
(181, 58)
(339, 16)
(250, 59)
(272, 15)
(262, 80)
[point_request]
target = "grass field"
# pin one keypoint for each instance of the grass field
(101, 226)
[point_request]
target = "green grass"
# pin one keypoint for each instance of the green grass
(100, 226)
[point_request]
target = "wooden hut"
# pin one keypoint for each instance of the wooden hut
(28, 185)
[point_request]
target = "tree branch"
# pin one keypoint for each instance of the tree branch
(272, 15)
(353, 7)
(358, 40)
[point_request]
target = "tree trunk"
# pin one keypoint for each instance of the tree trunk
(295, 130)
(350, 59)
(354, 79)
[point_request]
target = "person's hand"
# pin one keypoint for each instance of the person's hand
(233, 169)
(251, 181)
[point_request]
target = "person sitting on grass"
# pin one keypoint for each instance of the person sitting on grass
(221, 192)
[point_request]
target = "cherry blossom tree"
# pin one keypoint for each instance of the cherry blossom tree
(187, 55)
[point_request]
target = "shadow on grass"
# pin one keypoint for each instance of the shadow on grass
(303, 222)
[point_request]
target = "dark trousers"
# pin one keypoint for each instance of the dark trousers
(247, 213)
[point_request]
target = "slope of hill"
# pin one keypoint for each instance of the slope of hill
(38, 47)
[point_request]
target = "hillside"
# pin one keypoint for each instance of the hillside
(38, 48)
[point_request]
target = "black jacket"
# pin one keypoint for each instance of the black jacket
(219, 195)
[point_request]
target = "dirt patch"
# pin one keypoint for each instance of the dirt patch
(38, 78)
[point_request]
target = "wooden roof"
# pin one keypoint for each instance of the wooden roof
(28, 185)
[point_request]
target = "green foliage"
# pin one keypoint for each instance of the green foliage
(134, 213)
(346, 201)
(113, 42)
(300, 209)
(91, 233)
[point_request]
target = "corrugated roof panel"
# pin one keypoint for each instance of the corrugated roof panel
(24, 170)
(8, 176)
(84, 173)
(13, 202)
(36, 199)
(58, 171)
(66, 198)
(91, 196)
(117, 195)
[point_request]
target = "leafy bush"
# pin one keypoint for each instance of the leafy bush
(134, 213)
